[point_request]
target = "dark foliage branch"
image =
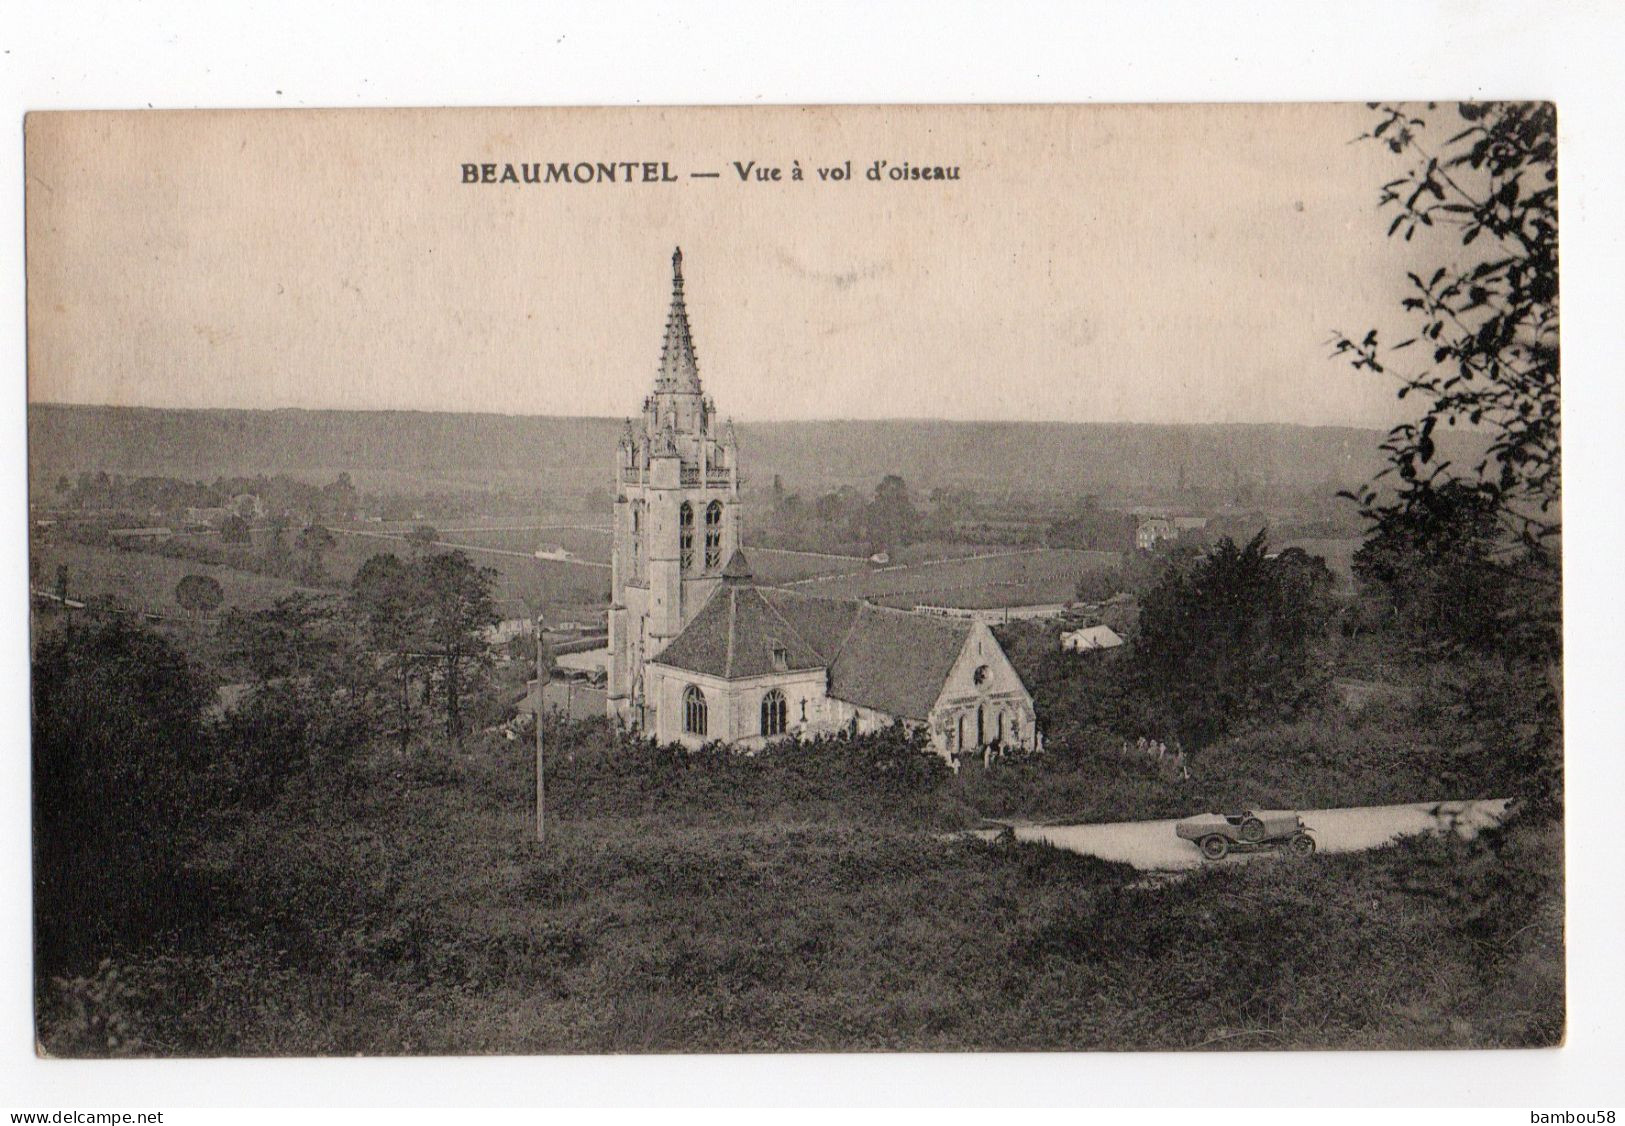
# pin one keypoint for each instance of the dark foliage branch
(1486, 324)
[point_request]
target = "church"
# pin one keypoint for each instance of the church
(700, 652)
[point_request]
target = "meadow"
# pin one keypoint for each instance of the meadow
(813, 900)
(1016, 578)
(146, 581)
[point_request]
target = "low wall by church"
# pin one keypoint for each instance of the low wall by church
(577, 701)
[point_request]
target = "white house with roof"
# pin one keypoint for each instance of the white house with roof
(1090, 638)
(1153, 530)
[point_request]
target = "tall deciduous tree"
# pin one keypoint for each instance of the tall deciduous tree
(1470, 553)
(120, 771)
(458, 607)
(1482, 353)
(384, 593)
(1227, 639)
(234, 529)
(892, 519)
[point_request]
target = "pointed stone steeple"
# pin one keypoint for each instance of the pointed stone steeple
(679, 370)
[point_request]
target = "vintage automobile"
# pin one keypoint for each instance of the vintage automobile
(1250, 830)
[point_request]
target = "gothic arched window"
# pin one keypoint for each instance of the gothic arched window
(685, 536)
(694, 711)
(775, 713)
(637, 536)
(713, 535)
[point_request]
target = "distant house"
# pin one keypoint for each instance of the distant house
(206, 517)
(593, 664)
(508, 629)
(1153, 531)
(1190, 523)
(1090, 638)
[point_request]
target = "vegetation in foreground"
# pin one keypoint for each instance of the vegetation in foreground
(808, 898)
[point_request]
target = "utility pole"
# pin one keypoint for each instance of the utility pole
(542, 670)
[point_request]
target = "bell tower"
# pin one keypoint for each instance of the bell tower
(676, 520)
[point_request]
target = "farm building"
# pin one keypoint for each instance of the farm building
(1153, 531)
(508, 629)
(1090, 638)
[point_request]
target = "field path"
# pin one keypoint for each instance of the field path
(913, 566)
(1152, 845)
(400, 537)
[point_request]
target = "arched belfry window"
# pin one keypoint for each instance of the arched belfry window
(775, 713)
(685, 535)
(694, 710)
(713, 535)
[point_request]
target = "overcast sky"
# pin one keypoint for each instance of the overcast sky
(1149, 264)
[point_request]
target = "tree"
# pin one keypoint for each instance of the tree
(299, 637)
(457, 607)
(276, 548)
(891, 517)
(314, 541)
(422, 538)
(120, 766)
(1470, 553)
(235, 529)
(308, 708)
(1485, 321)
(199, 593)
(384, 593)
(339, 500)
(1227, 639)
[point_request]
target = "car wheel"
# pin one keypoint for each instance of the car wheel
(1303, 845)
(1252, 830)
(1215, 847)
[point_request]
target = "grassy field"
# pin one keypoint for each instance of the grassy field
(1006, 579)
(698, 903)
(591, 545)
(145, 581)
(521, 580)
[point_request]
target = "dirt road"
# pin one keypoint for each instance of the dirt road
(1151, 845)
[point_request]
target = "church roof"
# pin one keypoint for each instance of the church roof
(679, 367)
(896, 662)
(890, 661)
(735, 636)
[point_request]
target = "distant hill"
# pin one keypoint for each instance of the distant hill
(408, 450)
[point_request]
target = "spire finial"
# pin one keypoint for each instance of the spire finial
(679, 368)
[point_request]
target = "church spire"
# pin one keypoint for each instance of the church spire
(679, 370)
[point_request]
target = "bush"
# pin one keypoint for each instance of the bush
(120, 763)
